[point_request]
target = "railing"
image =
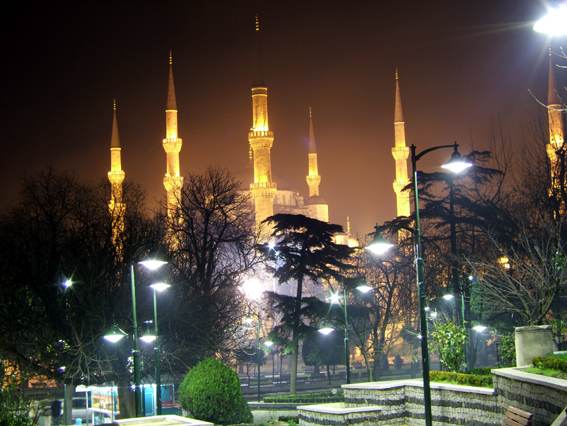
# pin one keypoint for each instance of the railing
(281, 384)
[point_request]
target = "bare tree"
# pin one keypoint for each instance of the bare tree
(531, 279)
(211, 255)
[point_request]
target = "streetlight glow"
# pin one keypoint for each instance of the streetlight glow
(326, 330)
(114, 334)
(448, 297)
(456, 164)
(152, 264)
(67, 283)
(160, 286)
(364, 288)
(379, 244)
(253, 288)
(554, 24)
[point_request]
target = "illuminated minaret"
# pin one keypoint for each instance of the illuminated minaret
(556, 131)
(261, 139)
(313, 178)
(172, 145)
(317, 207)
(116, 177)
(400, 153)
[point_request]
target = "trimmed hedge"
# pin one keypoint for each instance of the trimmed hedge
(551, 363)
(305, 398)
(481, 371)
(484, 381)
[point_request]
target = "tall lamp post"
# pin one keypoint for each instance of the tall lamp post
(157, 287)
(116, 334)
(455, 164)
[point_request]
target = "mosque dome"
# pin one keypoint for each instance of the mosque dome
(314, 200)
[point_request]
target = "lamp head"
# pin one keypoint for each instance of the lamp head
(448, 297)
(334, 298)
(114, 334)
(152, 264)
(148, 337)
(456, 164)
(325, 330)
(379, 244)
(364, 288)
(160, 286)
(555, 23)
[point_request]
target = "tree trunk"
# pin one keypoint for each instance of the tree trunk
(293, 378)
(316, 370)
(126, 398)
(377, 368)
(295, 336)
(329, 374)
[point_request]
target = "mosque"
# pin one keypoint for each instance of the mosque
(268, 198)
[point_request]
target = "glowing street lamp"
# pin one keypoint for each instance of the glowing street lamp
(555, 23)
(113, 335)
(455, 164)
(335, 299)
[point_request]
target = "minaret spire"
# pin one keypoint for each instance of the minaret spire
(400, 152)
(316, 205)
(556, 130)
(313, 178)
(116, 177)
(261, 139)
(172, 145)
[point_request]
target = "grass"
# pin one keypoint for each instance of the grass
(548, 372)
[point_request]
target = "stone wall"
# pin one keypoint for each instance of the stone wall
(545, 397)
(401, 402)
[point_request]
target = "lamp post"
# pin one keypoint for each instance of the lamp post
(157, 287)
(116, 334)
(455, 164)
(326, 330)
(253, 288)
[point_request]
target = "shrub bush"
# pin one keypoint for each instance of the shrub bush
(211, 392)
(507, 351)
(305, 398)
(484, 381)
(13, 411)
(481, 371)
(551, 363)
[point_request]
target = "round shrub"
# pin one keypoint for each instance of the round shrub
(211, 392)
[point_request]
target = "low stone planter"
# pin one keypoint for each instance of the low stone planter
(168, 420)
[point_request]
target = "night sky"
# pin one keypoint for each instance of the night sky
(463, 65)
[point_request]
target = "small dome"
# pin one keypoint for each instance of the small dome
(314, 200)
